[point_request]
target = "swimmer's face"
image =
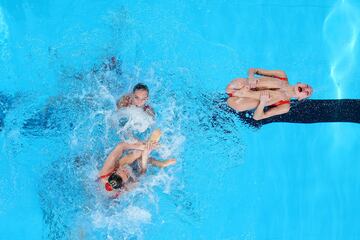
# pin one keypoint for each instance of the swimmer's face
(140, 97)
(303, 91)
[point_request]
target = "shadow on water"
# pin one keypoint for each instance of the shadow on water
(5, 105)
(307, 111)
(62, 198)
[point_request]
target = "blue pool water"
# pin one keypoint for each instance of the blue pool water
(283, 181)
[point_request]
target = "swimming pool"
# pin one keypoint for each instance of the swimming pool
(283, 181)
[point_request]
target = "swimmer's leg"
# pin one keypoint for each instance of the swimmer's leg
(162, 164)
(152, 143)
(269, 73)
(130, 158)
(242, 104)
(235, 85)
(110, 162)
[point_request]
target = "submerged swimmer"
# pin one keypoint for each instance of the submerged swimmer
(269, 95)
(119, 173)
(138, 98)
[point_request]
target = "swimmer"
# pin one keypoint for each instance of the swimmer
(269, 94)
(119, 173)
(138, 98)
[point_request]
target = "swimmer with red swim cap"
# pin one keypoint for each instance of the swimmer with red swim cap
(117, 175)
(271, 91)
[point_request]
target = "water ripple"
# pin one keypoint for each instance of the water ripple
(341, 31)
(4, 35)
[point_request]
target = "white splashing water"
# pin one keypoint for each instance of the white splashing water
(130, 216)
(126, 217)
(136, 119)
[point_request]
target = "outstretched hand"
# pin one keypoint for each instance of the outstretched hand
(265, 96)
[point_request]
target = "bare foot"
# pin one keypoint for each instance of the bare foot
(169, 162)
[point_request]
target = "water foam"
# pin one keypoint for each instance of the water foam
(136, 119)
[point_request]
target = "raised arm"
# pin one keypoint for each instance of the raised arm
(259, 112)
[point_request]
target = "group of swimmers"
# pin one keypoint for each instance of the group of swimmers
(128, 161)
(268, 93)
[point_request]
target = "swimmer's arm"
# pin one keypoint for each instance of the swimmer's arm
(149, 110)
(260, 114)
(267, 73)
(162, 164)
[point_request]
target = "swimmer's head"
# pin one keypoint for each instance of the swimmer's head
(114, 182)
(140, 94)
(303, 91)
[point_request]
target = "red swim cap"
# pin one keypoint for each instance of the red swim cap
(108, 187)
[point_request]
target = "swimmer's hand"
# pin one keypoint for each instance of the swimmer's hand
(150, 146)
(252, 83)
(264, 97)
(251, 73)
